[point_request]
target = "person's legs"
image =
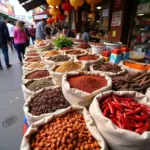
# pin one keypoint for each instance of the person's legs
(11, 44)
(1, 65)
(33, 39)
(5, 53)
(23, 46)
(18, 48)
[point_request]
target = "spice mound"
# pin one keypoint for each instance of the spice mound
(68, 67)
(132, 82)
(59, 58)
(137, 66)
(35, 65)
(33, 59)
(84, 45)
(52, 53)
(87, 83)
(88, 57)
(32, 54)
(38, 74)
(75, 52)
(64, 48)
(39, 84)
(126, 113)
(68, 132)
(47, 102)
(107, 67)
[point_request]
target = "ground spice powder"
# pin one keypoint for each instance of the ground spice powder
(35, 65)
(33, 59)
(87, 83)
(38, 74)
(32, 54)
(88, 57)
(68, 67)
(75, 52)
(137, 66)
(52, 53)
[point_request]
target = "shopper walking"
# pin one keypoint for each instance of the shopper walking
(20, 38)
(11, 30)
(32, 32)
(4, 39)
(86, 35)
(40, 33)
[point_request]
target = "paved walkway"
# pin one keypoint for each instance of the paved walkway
(11, 104)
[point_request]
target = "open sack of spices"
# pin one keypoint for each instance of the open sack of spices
(57, 71)
(57, 60)
(76, 52)
(30, 48)
(33, 66)
(133, 66)
(123, 119)
(37, 74)
(44, 46)
(33, 54)
(80, 88)
(43, 103)
(89, 58)
(33, 86)
(70, 129)
(30, 60)
(108, 68)
(132, 81)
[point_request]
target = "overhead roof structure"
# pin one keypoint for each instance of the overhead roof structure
(31, 4)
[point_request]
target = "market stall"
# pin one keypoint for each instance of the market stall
(75, 99)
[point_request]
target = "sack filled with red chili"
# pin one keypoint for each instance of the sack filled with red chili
(123, 118)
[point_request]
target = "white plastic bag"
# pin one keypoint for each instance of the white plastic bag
(25, 145)
(57, 76)
(78, 97)
(116, 138)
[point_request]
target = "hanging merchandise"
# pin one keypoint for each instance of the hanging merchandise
(54, 12)
(49, 20)
(66, 7)
(93, 3)
(54, 3)
(61, 17)
(76, 4)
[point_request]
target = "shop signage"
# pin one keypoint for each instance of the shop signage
(39, 17)
(143, 8)
(116, 18)
(11, 10)
(3, 9)
(105, 13)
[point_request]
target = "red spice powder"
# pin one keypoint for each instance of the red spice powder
(87, 83)
(65, 48)
(38, 74)
(88, 57)
(75, 52)
(33, 54)
(33, 59)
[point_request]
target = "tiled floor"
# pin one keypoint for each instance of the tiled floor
(11, 104)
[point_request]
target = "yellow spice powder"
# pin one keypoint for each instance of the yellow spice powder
(52, 53)
(35, 65)
(68, 67)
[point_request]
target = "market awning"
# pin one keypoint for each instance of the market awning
(29, 5)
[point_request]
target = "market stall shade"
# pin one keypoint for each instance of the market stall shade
(76, 4)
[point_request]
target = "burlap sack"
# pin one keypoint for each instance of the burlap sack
(123, 70)
(26, 92)
(26, 70)
(90, 62)
(30, 117)
(131, 69)
(57, 77)
(77, 97)
(25, 145)
(116, 138)
(24, 80)
(85, 52)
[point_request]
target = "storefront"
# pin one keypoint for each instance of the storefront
(140, 36)
(3, 12)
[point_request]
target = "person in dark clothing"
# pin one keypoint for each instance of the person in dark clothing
(47, 31)
(4, 39)
(27, 34)
(70, 34)
(32, 32)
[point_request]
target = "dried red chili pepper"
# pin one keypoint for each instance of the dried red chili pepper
(143, 129)
(141, 124)
(111, 108)
(134, 111)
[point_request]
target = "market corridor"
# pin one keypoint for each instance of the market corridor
(11, 103)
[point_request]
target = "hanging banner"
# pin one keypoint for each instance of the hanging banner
(143, 8)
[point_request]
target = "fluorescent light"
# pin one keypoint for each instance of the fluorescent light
(140, 14)
(99, 7)
(97, 21)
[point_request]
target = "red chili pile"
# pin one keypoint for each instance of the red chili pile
(32, 54)
(88, 57)
(64, 48)
(33, 59)
(87, 83)
(38, 74)
(125, 113)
